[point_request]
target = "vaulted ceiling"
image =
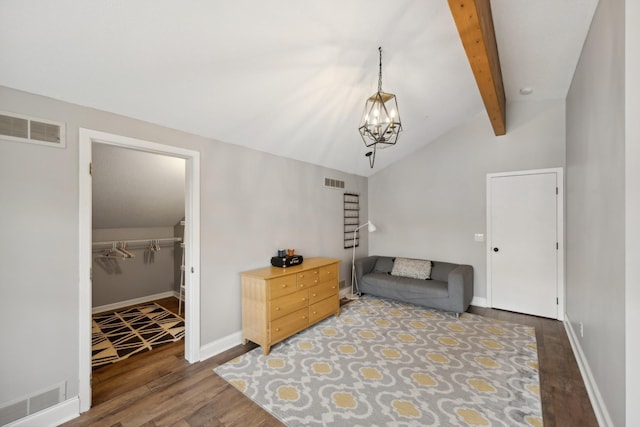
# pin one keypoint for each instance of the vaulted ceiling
(288, 77)
(136, 189)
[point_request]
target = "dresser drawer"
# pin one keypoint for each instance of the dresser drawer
(307, 278)
(289, 324)
(288, 304)
(322, 291)
(329, 272)
(282, 286)
(323, 309)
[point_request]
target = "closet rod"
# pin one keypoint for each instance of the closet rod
(139, 241)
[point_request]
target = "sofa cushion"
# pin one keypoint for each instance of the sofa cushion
(414, 268)
(384, 264)
(403, 288)
(441, 270)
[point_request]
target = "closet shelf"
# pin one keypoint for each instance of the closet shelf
(138, 241)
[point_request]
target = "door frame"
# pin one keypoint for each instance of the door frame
(560, 232)
(192, 246)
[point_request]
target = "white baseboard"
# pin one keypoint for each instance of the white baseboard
(121, 304)
(479, 301)
(218, 346)
(599, 407)
(344, 292)
(53, 416)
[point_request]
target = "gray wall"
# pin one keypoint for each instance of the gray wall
(251, 204)
(136, 189)
(632, 188)
(430, 204)
(596, 204)
(116, 280)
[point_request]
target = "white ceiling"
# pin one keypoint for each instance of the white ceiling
(288, 77)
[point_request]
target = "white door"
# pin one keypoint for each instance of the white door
(524, 243)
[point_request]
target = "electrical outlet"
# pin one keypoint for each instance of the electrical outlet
(581, 330)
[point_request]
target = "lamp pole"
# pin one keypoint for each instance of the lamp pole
(372, 228)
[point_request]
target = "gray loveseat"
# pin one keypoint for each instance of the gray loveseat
(449, 289)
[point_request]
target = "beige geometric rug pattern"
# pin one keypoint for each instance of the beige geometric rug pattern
(116, 336)
(384, 363)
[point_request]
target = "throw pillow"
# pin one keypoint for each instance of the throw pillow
(414, 268)
(383, 265)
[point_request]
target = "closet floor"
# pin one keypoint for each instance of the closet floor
(109, 381)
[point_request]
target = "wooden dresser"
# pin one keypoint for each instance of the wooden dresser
(280, 302)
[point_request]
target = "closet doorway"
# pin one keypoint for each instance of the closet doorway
(149, 216)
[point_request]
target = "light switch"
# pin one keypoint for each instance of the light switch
(479, 237)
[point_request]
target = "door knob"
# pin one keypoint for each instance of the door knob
(495, 249)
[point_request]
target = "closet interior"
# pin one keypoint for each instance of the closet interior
(137, 252)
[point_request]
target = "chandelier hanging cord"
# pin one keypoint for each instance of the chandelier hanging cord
(380, 69)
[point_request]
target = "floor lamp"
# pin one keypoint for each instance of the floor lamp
(354, 294)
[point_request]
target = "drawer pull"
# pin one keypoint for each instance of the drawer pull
(284, 286)
(277, 329)
(304, 317)
(315, 312)
(315, 281)
(313, 295)
(277, 308)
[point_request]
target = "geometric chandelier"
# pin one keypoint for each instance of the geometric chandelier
(380, 125)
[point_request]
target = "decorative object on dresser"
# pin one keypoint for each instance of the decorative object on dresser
(280, 302)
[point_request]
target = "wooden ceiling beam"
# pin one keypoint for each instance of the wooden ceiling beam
(475, 26)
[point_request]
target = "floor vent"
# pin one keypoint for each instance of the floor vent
(20, 408)
(333, 183)
(16, 127)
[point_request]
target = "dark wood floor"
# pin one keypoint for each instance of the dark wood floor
(160, 388)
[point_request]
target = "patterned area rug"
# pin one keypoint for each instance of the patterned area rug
(383, 363)
(116, 336)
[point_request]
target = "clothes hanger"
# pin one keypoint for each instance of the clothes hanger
(123, 248)
(117, 252)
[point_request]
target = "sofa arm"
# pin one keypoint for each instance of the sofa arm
(461, 287)
(364, 266)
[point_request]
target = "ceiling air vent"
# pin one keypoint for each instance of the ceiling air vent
(16, 127)
(333, 183)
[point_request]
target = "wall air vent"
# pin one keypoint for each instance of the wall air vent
(29, 405)
(17, 127)
(333, 183)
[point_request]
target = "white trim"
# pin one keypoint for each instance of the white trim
(559, 231)
(192, 246)
(344, 292)
(598, 404)
(134, 301)
(220, 345)
(479, 302)
(52, 416)
(84, 270)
